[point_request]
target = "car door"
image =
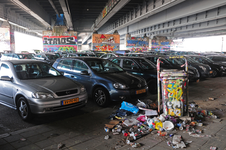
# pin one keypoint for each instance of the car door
(6, 87)
(65, 66)
(85, 79)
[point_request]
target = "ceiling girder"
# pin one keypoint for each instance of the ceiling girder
(67, 13)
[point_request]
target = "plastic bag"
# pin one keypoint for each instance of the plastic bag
(129, 107)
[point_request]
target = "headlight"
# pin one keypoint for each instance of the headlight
(203, 68)
(42, 95)
(82, 89)
(120, 86)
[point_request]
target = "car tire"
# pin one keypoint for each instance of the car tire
(101, 96)
(152, 86)
(24, 109)
(214, 73)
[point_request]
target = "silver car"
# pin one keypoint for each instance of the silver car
(34, 87)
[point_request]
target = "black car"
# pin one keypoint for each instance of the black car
(103, 80)
(141, 67)
(218, 59)
(47, 57)
(203, 69)
(218, 69)
(193, 73)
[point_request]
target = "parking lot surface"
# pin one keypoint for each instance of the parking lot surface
(86, 131)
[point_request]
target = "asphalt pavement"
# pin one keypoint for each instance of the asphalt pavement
(86, 130)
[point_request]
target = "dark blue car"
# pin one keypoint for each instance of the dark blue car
(103, 80)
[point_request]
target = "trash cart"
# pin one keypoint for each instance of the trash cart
(173, 89)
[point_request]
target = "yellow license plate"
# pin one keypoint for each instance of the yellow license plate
(70, 101)
(140, 91)
(211, 72)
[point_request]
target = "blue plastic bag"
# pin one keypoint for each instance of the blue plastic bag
(129, 107)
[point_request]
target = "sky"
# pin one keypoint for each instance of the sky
(211, 43)
(25, 42)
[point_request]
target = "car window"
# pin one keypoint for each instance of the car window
(51, 57)
(79, 66)
(104, 56)
(5, 70)
(35, 71)
(103, 66)
(129, 64)
(116, 61)
(65, 64)
(145, 64)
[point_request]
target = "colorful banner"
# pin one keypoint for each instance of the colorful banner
(104, 12)
(137, 44)
(106, 42)
(161, 44)
(60, 43)
(4, 39)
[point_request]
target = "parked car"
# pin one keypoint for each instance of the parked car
(100, 53)
(47, 57)
(193, 74)
(205, 71)
(16, 56)
(103, 80)
(81, 55)
(218, 69)
(34, 87)
(217, 59)
(109, 55)
(141, 67)
(136, 54)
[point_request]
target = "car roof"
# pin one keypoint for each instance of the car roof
(83, 58)
(20, 61)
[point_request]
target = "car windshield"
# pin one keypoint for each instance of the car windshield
(145, 64)
(51, 56)
(25, 56)
(35, 71)
(103, 66)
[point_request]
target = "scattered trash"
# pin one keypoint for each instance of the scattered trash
(213, 148)
(129, 107)
(23, 139)
(212, 99)
(168, 125)
(132, 126)
(106, 137)
(60, 145)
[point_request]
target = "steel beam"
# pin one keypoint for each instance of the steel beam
(67, 14)
(35, 10)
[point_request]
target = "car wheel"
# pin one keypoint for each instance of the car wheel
(152, 86)
(101, 96)
(214, 73)
(24, 109)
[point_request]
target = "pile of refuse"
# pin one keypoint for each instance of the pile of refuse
(136, 121)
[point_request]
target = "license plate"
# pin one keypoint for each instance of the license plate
(211, 72)
(70, 101)
(140, 91)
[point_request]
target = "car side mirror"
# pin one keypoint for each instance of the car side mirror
(84, 72)
(6, 78)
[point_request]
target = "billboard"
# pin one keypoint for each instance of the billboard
(4, 39)
(60, 43)
(105, 42)
(138, 44)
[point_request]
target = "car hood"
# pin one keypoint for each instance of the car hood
(53, 84)
(123, 78)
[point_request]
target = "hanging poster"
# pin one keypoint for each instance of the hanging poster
(137, 44)
(106, 42)
(60, 43)
(4, 39)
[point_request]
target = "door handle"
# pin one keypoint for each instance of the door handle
(72, 76)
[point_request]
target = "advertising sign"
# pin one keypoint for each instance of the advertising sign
(105, 42)
(60, 43)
